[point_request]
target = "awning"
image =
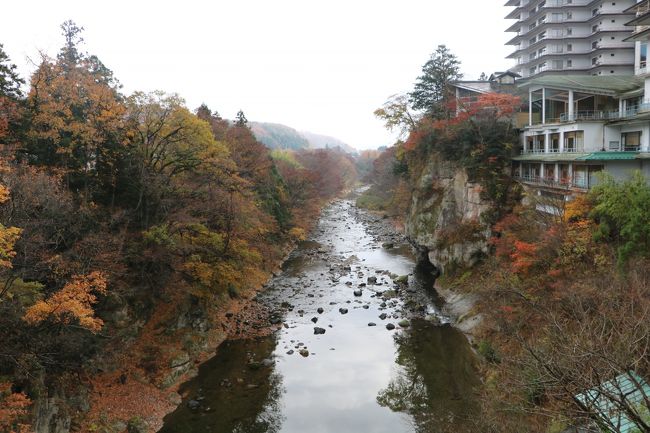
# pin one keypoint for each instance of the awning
(609, 156)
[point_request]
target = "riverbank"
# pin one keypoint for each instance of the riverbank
(356, 315)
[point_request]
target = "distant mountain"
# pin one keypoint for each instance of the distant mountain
(323, 141)
(277, 136)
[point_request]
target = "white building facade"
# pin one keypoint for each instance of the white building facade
(559, 37)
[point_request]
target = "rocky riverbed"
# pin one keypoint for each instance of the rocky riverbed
(360, 343)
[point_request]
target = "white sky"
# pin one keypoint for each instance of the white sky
(321, 66)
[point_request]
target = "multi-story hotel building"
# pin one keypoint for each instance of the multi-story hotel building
(560, 37)
(579, 124)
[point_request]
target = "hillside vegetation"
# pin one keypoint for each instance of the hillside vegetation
(564, 298)
(129, 225)
(277, 136)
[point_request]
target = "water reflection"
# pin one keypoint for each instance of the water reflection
(357, 378)
(434, 380)
(232, 396)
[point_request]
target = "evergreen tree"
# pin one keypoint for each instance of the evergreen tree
(241, 119)
(69, 53)
(483, 77)
(10, 82)
(431, 93)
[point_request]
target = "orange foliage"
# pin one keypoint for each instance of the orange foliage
(8, 236)
(577, 209)
(13, 406)
(523, 257)
(74, 302)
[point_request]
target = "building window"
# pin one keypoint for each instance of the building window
(594, 45)
(631, 141)
(643, 55)
(574, 141)
(594, 29)
(569, 15)
(555, 143)
(569, 47)
(615, 146)
(594, 12)
(569, 63)
(531, 70)
(594, 61)
(569, 31)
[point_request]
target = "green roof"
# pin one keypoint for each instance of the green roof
(593, 156)
(628, 387)
(609, 156)
(591, 84)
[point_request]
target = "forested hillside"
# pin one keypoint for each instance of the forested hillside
(277, 136)
(130, 225)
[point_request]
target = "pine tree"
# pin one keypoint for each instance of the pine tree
(431, 93)
(10, 82)
(241, 119)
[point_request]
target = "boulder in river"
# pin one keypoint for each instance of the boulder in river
(318, 331)
(314, 319)
(372, 280)
(358, 292)
(402, 279)
(404, 323)
(193, 405)
(343, 310)
(320, 310)
(372, 324)
(390, 326)
(383, 316)
(304, 352)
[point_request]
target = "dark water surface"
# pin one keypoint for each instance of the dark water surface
(356, 378)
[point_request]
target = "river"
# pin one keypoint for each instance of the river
(354, 377)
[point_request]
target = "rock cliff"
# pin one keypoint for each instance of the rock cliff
(444, 219)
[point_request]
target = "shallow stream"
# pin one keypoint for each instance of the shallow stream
(354, 377)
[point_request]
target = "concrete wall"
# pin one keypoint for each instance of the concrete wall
(622, 170)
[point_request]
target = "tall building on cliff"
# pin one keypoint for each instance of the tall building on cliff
(572, 37)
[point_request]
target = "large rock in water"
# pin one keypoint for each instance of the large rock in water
(445, 214)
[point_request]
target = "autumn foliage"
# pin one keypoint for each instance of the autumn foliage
(72, 304)
(119, 211)
(14, 408)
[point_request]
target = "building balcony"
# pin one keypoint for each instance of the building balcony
(551, 182)
(588, 115)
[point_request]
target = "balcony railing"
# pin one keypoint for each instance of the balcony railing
(551, 182)
(588, 115)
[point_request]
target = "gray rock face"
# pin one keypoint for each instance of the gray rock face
(445, 214)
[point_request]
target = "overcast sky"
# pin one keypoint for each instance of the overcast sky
(321, 66)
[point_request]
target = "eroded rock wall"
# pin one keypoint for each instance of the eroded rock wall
(444, 216)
